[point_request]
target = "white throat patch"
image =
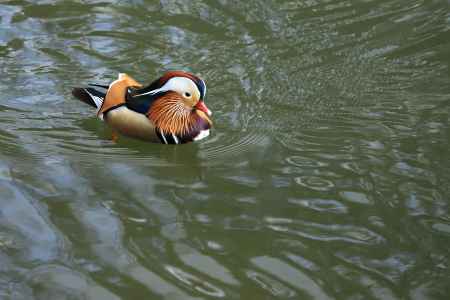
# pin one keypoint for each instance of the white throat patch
(202, 135)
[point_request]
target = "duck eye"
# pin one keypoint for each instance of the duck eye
(187, 95)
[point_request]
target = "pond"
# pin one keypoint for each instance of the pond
(326, 175)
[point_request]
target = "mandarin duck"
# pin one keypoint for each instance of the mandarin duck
(170, 110)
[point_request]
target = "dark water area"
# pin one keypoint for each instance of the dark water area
(327, 175)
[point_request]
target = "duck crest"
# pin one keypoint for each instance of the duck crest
(170, 74)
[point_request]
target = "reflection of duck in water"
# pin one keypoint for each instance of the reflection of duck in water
(170, 110)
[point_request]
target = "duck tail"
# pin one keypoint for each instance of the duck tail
(89, 96)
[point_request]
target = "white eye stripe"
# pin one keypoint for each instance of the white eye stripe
(178, 84)
(152, 92)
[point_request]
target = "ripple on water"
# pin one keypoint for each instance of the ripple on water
(275, 287)
(290, 275)
(408, 171)
(29, 224)
(304, 263)
(301, 161)
(315, 183)
(355, 167)
(325, 232)
(7, 241)
(50, 281)
(321, 205)
(218, 147)
(438, 226)
(441, 228)
(389, 267)
(371, 283)
(5, 172)
(204, 264)
(355, 197)
(208, 152)
(242, 222)
(213, 245)
(199, 284)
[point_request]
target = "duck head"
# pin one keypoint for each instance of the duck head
(174, 103)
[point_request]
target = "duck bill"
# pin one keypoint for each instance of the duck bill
(202, 107)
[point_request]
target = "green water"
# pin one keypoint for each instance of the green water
(326, 175)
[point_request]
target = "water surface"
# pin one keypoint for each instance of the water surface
(326, 176)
